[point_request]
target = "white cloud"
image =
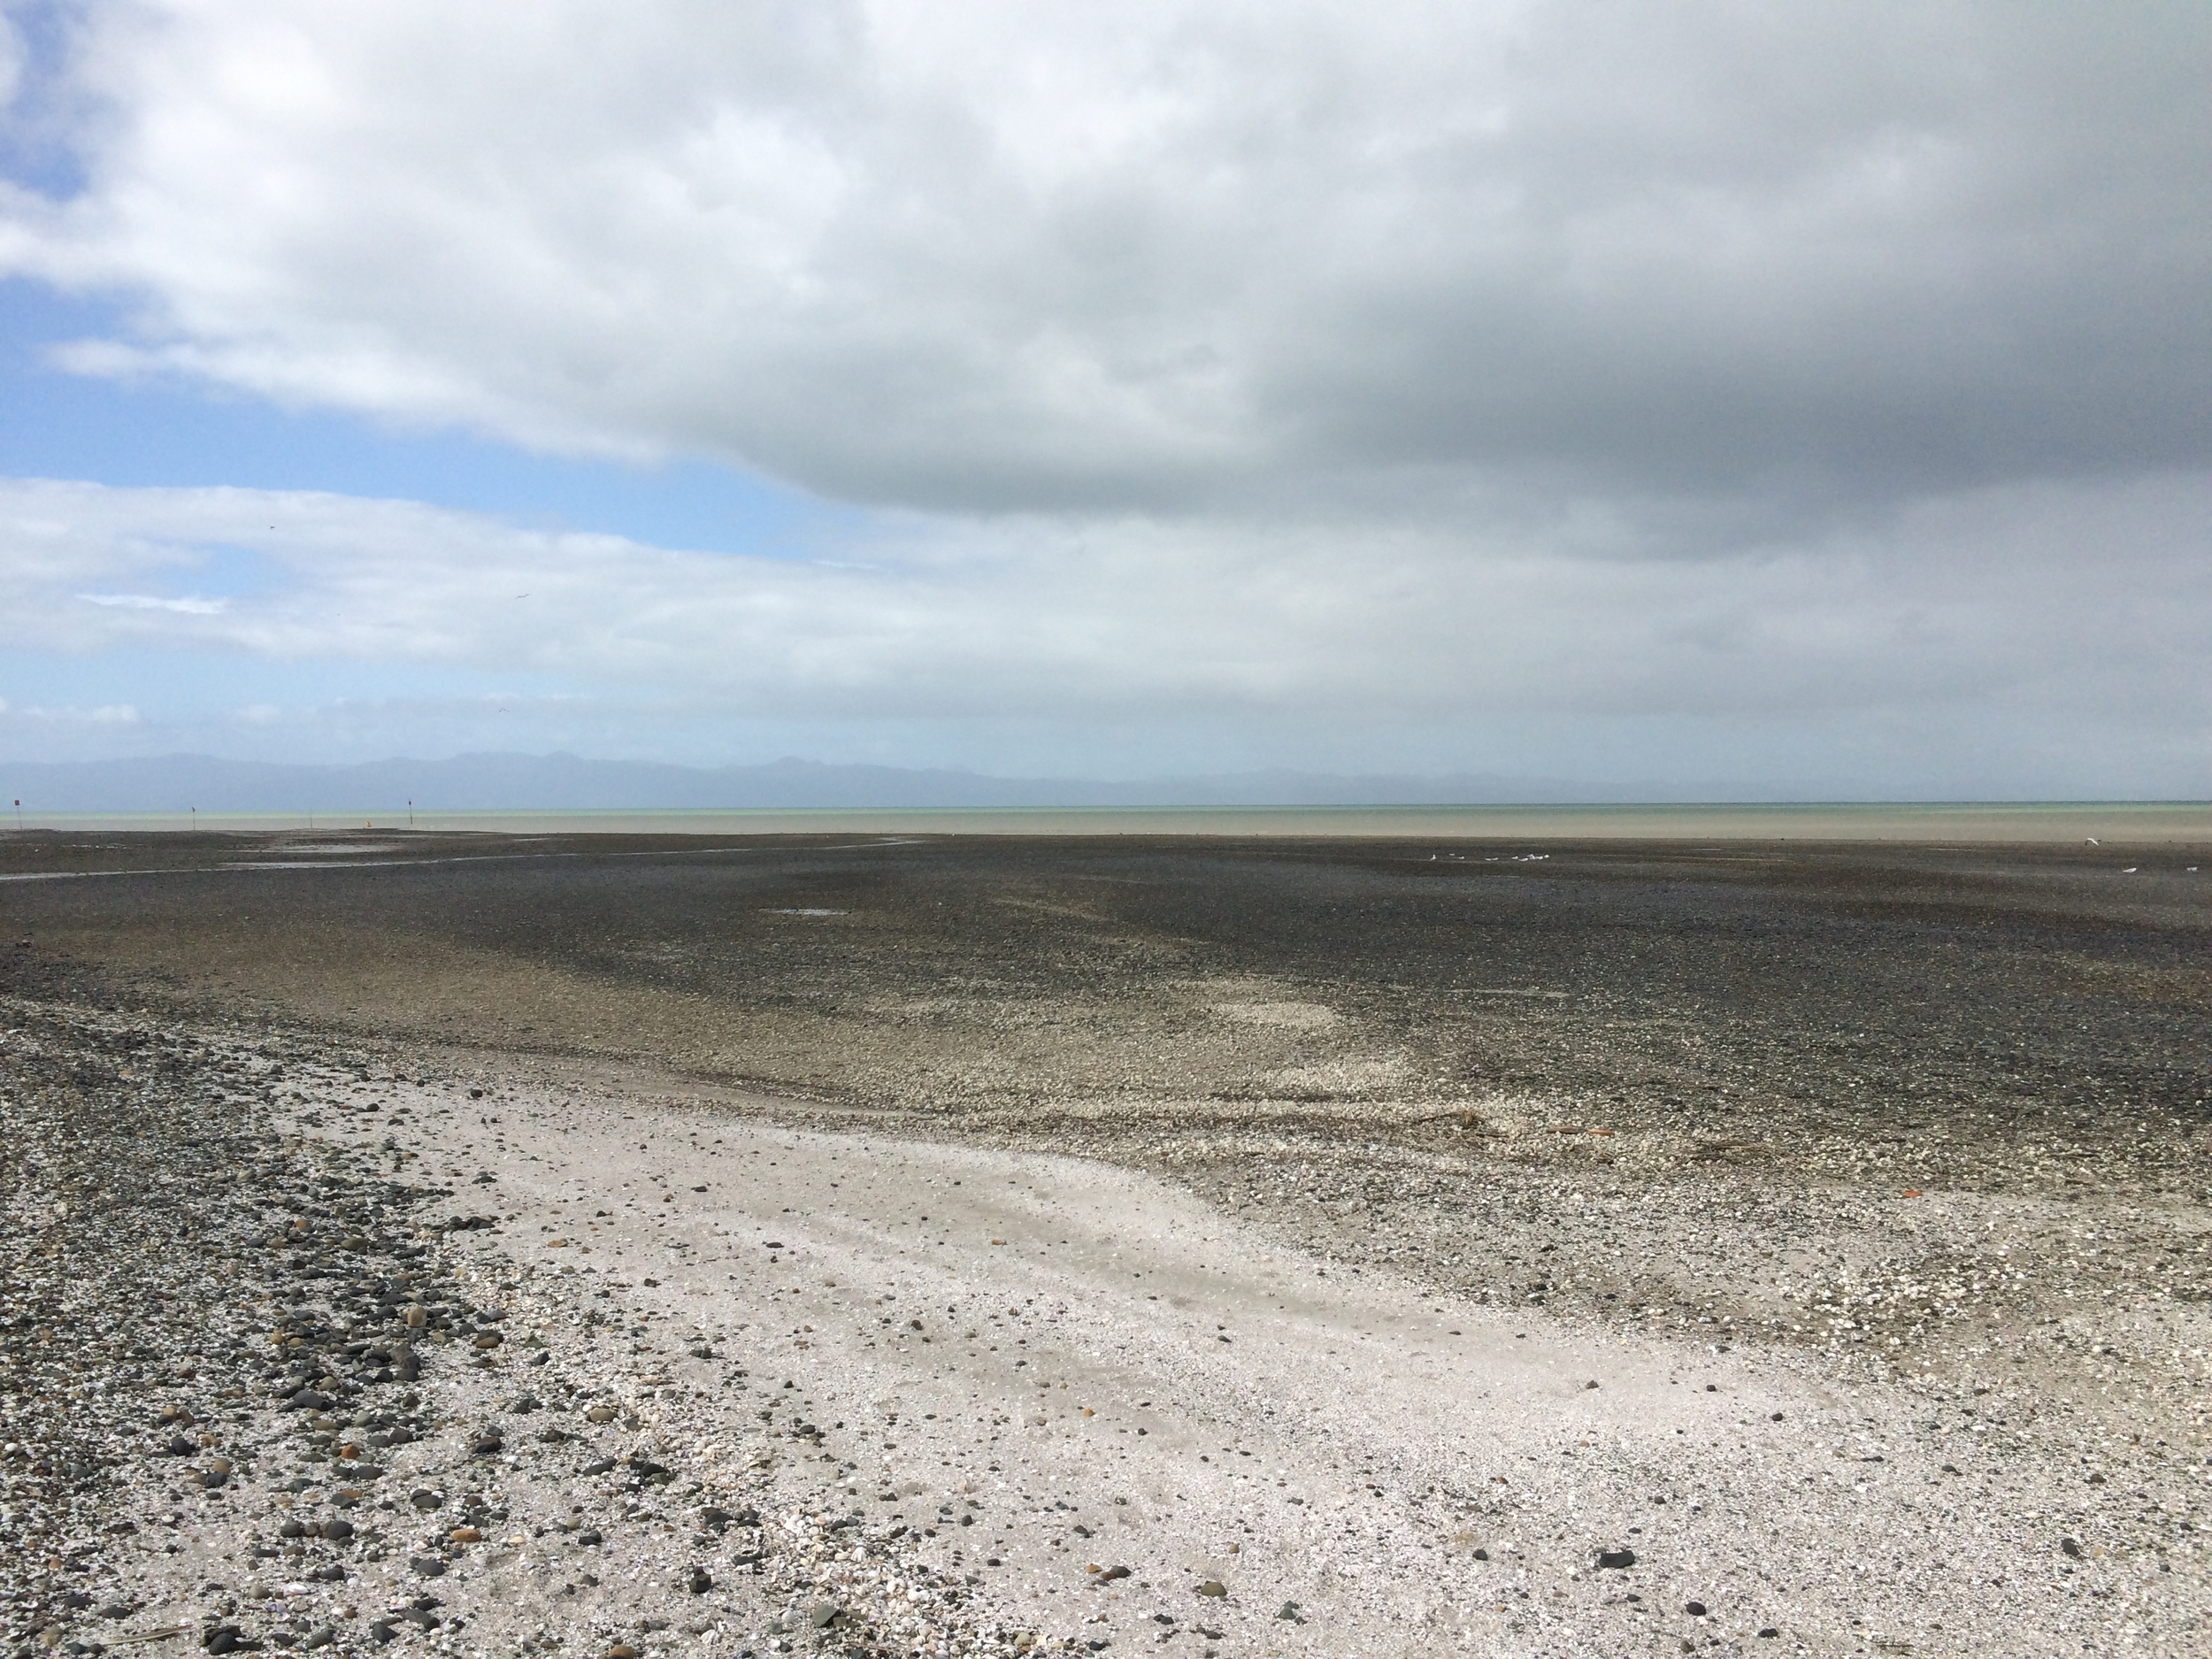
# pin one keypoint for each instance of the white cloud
(989, 256)
(1995, 611)
(186, 606)
(105, 714)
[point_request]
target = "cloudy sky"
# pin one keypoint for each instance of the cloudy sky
(1809, 398)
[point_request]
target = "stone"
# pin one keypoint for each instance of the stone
(589, 1536)
(600, 1414)
(337, 1532)
(1617, 1559)
(700, 1581)
(1695, 1610)
(1212, 1589)
(427, 1566)
(424, 1500)
(486, 1446)
(822, 1616)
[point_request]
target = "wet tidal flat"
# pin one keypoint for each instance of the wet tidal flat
(1908, 1138)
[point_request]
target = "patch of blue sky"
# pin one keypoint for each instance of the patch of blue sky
(213, 571)
(163, 432)
(35, 149)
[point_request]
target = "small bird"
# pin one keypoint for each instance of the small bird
(2093, 841)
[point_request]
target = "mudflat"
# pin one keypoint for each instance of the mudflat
(1304, 1246)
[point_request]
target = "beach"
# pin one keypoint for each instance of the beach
(1062, 1245)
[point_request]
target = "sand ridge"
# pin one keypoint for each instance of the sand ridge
(1361, 1466)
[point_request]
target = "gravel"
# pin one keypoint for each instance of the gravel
(209, 1440)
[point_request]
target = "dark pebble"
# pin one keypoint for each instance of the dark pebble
(337, 1532)
(428, 1566)
(424, 1500)
(700, 1582)
(588, 1536)
(1617, 1558)
(1695, 1610)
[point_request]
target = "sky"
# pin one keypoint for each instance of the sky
(1813, 400)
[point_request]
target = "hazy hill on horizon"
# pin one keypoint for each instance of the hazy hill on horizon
(565, 782)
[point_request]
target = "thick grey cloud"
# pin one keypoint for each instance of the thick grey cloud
(992, 256)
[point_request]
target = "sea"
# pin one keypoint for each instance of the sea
(1959, 823)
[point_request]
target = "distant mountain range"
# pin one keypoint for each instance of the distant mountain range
(519, 783)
